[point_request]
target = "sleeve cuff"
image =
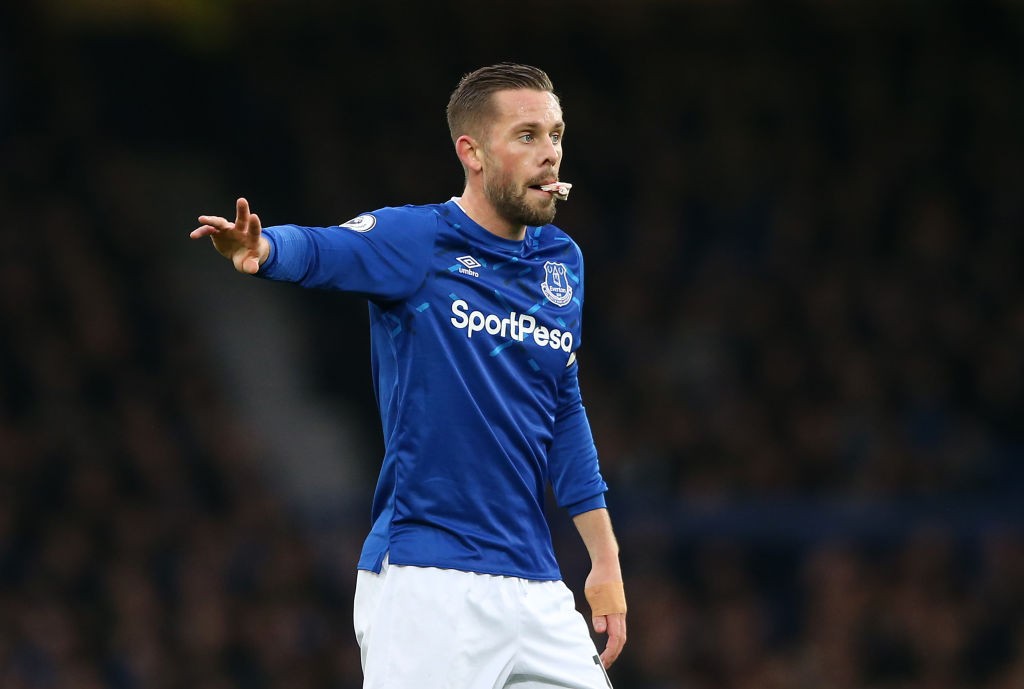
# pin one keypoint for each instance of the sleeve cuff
(267, 269)
(594, 503)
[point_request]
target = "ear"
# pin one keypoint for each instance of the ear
(470, 153)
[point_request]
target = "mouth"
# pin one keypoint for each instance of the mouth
(560, 190)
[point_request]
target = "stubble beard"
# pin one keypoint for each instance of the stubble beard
(511, 203)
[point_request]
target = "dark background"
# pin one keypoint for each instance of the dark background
(802, 354)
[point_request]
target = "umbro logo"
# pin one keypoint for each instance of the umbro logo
(469, 263)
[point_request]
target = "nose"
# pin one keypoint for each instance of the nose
(552, 152)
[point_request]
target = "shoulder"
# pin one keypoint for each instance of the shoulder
(551, 234)
(405, 217)
(552, 239)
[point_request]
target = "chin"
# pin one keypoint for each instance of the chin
(543, 214)
(546, 220)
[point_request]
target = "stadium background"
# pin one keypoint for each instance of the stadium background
(802, 356)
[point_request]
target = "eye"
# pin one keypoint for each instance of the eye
(556, 138)
(526, 138)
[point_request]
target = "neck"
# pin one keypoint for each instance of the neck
(479, 209)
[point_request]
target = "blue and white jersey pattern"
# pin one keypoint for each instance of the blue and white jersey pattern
(473, 341)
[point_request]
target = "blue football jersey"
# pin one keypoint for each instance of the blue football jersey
(473, 347)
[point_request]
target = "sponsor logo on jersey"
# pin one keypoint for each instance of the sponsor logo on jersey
(556, 285)
(468, 263)
(361, 223)
(519, 327)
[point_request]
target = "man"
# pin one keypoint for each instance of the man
(475, 310)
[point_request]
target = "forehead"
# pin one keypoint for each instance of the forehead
(522, 106)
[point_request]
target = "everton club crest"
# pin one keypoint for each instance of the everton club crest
(556, 285)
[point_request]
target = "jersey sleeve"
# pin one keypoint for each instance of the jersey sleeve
(572, 461)
(383, 255)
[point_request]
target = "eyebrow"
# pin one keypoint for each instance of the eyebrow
(534, 124)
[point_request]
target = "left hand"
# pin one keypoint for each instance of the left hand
(615, 626)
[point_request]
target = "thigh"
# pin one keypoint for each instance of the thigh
(557, 649)
(432, 629)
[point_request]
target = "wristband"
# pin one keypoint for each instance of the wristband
(606, 599)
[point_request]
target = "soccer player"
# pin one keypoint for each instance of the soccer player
(475, 312)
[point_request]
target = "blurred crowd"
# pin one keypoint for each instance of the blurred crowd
(139, 544)
(802, 227)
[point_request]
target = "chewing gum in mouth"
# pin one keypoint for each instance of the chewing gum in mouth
(559, 189)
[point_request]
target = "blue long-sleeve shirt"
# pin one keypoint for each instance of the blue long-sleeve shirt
(473, 347)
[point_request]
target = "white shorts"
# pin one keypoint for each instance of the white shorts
(428, 628)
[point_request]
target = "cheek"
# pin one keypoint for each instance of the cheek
(510, 167)
(500, 163)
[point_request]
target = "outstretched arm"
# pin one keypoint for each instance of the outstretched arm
(603, 587)
(241, 241)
